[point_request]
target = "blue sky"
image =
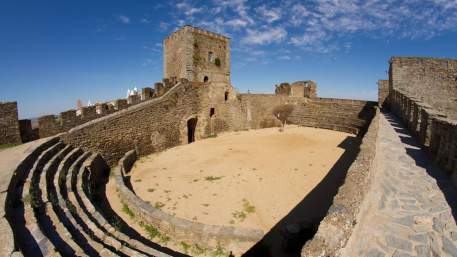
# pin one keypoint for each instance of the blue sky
(55, 52)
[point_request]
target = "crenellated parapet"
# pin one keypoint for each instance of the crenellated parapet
(422, 93)
(50, 125)
(435, 131)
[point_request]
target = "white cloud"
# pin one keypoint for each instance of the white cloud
(284, 57)
(237, 23)
(309, 38)
(124, 19)
(317, 25)
(270, 15)
(266, 36)
(163, 26)
(298, 13)
(146, 21)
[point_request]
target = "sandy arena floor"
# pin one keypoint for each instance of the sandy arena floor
(246, 179)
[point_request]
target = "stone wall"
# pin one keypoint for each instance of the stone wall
(351, 116)
(259, 108)
(423, 94)
(205, 65)
(27, 132)
(435, 131)
(383, 93)
(9, 124)
(305, 88)
(161, 123)
(147, 127)
(178, 229)
(337, 226)
(177, 55)
(50, 125)
(432, 81)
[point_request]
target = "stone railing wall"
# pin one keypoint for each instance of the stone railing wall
(178, 229)
(436, 133)
(337, 226)
(351, 116)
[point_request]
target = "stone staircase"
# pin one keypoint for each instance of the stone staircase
(54, 208)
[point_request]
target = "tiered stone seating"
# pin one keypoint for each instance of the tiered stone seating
(51, 209)
(345, 115)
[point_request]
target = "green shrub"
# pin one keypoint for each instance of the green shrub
(185, 246)
(198, 250)
(159, 205)
(212, 178)
(126, 209)
(4, 146)
(152, 231)
(217, 61)
(248, 207)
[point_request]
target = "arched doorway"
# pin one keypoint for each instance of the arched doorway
(205, 79)
(191, 125)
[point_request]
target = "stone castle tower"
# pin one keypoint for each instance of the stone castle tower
(197, 55)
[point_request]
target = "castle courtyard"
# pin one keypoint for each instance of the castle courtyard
(269, 173)
(249, 129)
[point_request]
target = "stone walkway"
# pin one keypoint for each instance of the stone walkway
(411, 207)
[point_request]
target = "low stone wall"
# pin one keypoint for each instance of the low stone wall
(179, 230)
(9, 124)
(435, 131)
(337, 226)
(351, 116)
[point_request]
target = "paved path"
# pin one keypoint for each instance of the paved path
(411, 208)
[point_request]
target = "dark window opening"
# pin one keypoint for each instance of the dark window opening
(191, 125)
(205, 79)
(210, 57)
(212, 111)
(226, 95)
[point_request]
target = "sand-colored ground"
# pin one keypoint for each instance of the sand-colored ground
(246, 179)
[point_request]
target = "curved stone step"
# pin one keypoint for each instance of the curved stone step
(31, 240)
(45, 216)
(72, 213)
(60, 209)
(82, 190)
(12, 239)
(39, 204)
(85, 214)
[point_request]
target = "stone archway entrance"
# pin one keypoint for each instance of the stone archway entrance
(191, 125)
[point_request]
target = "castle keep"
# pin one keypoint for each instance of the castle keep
(54, 200)
(197, 55)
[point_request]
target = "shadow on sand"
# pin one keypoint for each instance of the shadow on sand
(288, 236)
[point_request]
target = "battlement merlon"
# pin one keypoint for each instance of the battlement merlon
(190, 28)
(406, 59)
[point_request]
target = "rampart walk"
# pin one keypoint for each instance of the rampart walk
(410, 209)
